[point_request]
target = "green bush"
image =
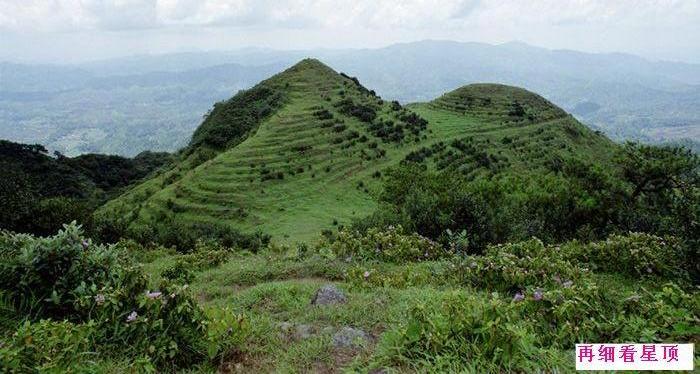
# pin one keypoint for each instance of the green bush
(47, 346)
(96, 287)
(390, 245)
(474, 333)
(667, 314)
(206, 254)
(184, 236)
(516, 266)
(635, 254)
(180, 272)
(427, 273)
(480, 332)
(44, 277)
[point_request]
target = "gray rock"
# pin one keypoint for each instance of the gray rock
(349, 337)
(303, 332)
(285, 327)
(328, 295)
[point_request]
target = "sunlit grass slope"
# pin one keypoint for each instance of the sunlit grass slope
(315, 156)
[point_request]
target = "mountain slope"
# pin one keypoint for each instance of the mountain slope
(305, 149)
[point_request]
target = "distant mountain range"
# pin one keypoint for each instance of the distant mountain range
(128, 105)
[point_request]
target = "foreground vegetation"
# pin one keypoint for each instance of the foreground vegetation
(421, 307)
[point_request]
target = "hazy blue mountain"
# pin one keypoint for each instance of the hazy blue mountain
(130, 104)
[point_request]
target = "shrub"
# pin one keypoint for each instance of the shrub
(206, 254)
(635, 254)
(103, 294)
(427, 273)
(46, 346)
(363, 112)
(180, 272)
(469, 331)
(184, 236)
(489, 333)
(390, 245)
(44, 277)
(516, 266)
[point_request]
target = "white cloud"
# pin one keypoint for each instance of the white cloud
(61, 15)
(599, 25)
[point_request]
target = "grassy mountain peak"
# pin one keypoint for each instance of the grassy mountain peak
(499, 101)
(306, 150)
(231, 121)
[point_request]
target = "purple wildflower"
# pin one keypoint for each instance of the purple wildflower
(537, 295)
(132, 317)
(366, 274)
(153, 295)
(472, 265)
(85, 244)
(649, 270)
(100, 299)
(518, 296)
(568, 284)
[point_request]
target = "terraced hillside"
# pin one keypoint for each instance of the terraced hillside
(305, 150)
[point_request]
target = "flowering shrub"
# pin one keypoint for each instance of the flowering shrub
(636, 254)
(390, 245)
(552, 301)
(166, 324)
(44, 277)
(669, 313)
(579, 312)
(515, 266)
(418, 274)
(106, 302)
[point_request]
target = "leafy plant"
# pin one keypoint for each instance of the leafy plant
(105, 304)
(391, 245)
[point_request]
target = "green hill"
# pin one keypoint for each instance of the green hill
(305, 150)
(40, 192)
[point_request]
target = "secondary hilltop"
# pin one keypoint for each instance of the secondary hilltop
(306, 150)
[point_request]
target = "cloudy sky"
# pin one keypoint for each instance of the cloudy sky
(79, 30)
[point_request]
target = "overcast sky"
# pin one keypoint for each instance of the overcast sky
(78, 30)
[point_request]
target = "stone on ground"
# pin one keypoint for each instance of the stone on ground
(349, 337)
(328, 295)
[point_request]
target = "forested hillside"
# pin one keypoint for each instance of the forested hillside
(40, 192)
